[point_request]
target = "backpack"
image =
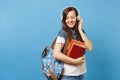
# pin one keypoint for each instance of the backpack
(51, 67)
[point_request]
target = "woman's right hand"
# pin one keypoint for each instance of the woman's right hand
(79, 61)
(80, 23)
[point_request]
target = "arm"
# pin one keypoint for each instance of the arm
(63, 58)
(88, 43)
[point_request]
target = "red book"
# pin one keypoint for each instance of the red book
(76, 49)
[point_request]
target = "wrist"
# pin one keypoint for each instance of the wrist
(75, 62)
(80, 30)
(72, 61)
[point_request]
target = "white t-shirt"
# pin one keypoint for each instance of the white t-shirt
(71, 70)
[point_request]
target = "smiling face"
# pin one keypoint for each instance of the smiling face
(71, 19)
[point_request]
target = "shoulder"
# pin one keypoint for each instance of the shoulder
(61, 36)
(62, 33)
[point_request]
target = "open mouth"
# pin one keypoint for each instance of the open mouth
(71, 23)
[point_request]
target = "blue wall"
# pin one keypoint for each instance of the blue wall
(26, 26)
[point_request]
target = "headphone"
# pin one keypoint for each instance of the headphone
(78, 17)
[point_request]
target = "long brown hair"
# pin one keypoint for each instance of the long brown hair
(66, 28)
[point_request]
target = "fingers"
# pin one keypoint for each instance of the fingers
(82, 58)
(80, 61)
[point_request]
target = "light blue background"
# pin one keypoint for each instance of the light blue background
(27, 26)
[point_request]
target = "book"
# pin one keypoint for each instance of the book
(76, 49)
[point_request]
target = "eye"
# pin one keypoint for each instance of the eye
(67, 18)
(72, 17)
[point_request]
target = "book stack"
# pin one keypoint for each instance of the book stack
(76, 49)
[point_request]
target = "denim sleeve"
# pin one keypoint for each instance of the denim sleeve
(62, 34)
(61, 37)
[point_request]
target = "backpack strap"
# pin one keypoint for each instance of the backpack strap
(53, 43)
(52, 74)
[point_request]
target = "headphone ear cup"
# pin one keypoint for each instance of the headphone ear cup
(78, 18)
(61, 17)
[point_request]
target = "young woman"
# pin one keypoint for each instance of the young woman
(74, 69)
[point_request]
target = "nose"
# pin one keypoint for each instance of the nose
(70, 19)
